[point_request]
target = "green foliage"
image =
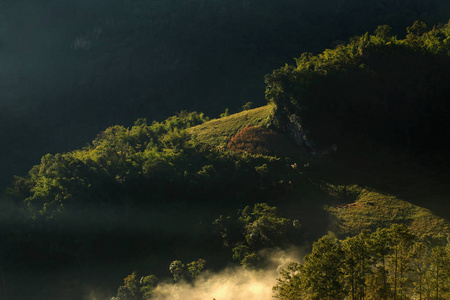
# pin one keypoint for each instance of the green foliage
(437, 278)
(291, 285)
(262, 228)
(134, 289)
(240, 252)
(195, 268)
(148, 285)
(356, 264)
(323, 270)
(225, 114)
(182, 272)
(247, 106)
(130, 290)
(177, 268)
(320, 277)
(374, 87)
(254, 229)
(115, 157)
(390, 263)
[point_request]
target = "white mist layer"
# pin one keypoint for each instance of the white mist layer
(230, 284)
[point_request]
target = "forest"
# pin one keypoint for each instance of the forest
(403, 103)
(333, 187)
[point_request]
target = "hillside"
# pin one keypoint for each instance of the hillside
(388, 173)
(375, 111)
(330, 168)
(320, 204)
(71, 68)
(167, 184)
(218, 132)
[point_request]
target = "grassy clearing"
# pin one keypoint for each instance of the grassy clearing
(218, 132)
(374, 186)
(370, 209)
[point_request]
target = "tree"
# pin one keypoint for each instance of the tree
(247, 106)
(134, 289)
(225, 114)
(390, 263)
(357, 262)
(383, 33)
(438, 275)
(195, 268)
(377, 282)
(178, 270)
(419, 264)
(187, 272)
(262, 228)
(401, 241)
(323, 270)
(147, 285)
(291, 285)
(130, 290)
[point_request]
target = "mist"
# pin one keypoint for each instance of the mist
(235, 283)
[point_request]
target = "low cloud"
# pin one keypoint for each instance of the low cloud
(234, 283)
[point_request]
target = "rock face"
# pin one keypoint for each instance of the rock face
(299, 134)
(292, 124)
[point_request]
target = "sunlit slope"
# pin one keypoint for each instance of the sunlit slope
(218, 132)
(248, 131)
(371, 190)
(370, 209)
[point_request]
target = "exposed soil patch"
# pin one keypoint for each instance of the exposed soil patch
(260, 140)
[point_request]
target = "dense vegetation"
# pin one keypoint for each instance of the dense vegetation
(389, 263)
(374, 88)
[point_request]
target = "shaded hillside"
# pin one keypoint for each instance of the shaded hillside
(374, 89)
(72, 68)
(377, 109)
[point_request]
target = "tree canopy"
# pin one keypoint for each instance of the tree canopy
(376, 86)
